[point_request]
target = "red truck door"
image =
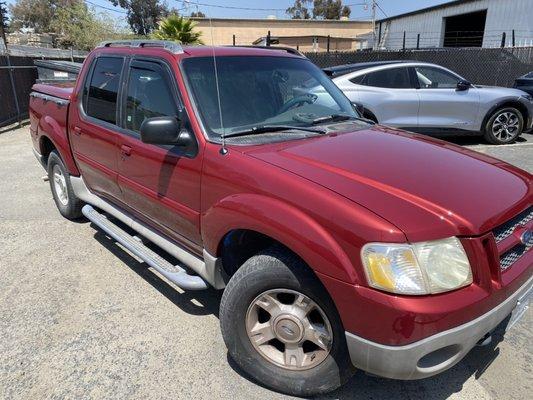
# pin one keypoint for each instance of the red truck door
(93, 126)
(160, 183)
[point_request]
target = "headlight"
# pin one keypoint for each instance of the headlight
(528, 97)
(419, 268)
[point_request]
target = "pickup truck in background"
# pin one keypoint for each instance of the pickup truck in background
(339, 244)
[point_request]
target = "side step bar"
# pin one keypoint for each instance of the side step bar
(174, 273)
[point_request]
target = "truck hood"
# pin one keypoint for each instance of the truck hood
(426, 187)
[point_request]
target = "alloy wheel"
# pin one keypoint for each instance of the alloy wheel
(505, 126)
(289, 329)
(60, 185)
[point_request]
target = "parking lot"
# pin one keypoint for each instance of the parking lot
(81, 318)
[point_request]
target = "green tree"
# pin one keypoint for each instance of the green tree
(322, 9)
(177, 29)
(299, 10)
(143, 15)
(82, 28)
(37, 14)
(330, 9)
(197, 14)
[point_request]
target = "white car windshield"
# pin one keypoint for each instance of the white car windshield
(259, 91)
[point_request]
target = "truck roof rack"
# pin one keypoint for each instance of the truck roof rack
(172, 47)
(289, 50)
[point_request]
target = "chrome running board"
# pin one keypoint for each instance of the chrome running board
(209, 268)
(174, 273)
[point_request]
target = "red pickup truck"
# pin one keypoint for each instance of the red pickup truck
(339, 244)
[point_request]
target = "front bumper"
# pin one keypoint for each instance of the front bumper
(433, 354)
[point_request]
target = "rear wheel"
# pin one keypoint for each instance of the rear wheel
(66, 201)
(281, 326)
(504, 126)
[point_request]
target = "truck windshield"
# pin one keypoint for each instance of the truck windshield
(258, 91)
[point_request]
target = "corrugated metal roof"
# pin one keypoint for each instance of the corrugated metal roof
(427, 9)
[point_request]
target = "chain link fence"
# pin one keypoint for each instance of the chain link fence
(17, 76)
(485, 66)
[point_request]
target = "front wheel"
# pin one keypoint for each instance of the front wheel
(504, 126)
(282, 328)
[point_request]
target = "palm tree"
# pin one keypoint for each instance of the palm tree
(177, 29)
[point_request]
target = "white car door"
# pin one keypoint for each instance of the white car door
(442, 105)
(388, 93)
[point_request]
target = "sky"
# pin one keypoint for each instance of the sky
(262, 8)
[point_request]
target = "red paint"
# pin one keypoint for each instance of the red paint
(323, 197)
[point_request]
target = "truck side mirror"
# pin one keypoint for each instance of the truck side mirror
(463, 85)
(165, 130)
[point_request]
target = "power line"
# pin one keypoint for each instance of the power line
(381, 9)
(232, 7)
(106, 8)
(192, 2)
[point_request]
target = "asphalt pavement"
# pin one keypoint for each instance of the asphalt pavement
(81, 318)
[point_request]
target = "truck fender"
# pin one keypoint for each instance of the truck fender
(51, 129)
(282, 222)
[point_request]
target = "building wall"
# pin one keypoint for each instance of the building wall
(502, 16)
(246, 31)
(31, 39)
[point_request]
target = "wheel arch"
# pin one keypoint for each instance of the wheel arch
(53, 137)
(252, 222)
(511, 102)
(46, 146)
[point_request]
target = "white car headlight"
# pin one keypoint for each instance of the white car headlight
(418, 268)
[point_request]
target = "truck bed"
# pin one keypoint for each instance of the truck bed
(49, 105)
(60, 90)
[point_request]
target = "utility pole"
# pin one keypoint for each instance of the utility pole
(374, 44)
(3, 28)
(3, 23)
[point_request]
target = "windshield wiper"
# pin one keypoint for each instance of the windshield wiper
(332, 118)
(272, 128)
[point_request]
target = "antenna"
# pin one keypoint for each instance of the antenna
(223, 149)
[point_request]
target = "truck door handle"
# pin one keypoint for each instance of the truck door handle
(77, 130)
(125, 150)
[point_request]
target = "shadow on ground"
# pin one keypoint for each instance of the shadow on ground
(361, 385)
(469, 140)
(201, 302)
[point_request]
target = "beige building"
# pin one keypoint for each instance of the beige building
(306, 35)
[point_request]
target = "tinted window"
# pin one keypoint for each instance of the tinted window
(103, 88)
(358, 80)
(148, 96)
(394, 78)
(429, 77)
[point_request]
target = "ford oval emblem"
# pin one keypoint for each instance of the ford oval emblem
(525, 237)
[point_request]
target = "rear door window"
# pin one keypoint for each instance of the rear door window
(102, 91)
(392, 78)
(435, 78)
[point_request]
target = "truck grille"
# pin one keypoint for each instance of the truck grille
(511, 252)
(505, 230)
(508, 258)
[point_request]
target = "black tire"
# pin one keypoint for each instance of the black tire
(71, 208)
(277, 268)
(506, 136)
